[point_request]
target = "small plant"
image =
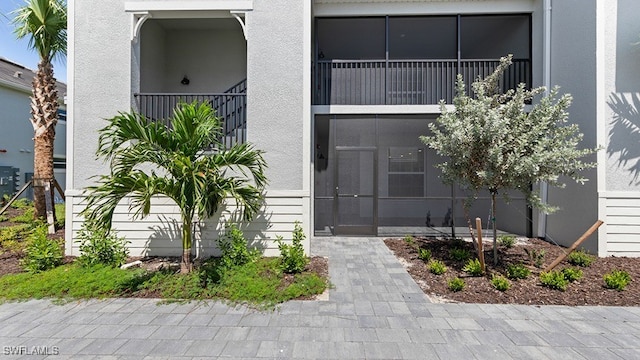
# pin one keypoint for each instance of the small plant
(293, 260)
(437, 267)
(500, 283)
(554, 280)
(26, 217)
(473, 268)
(424, 254)
(3, 218)
(21, 203)
(517, 271)
(580, 258)
(617, 280)
(507, 241)
(409, 240)
(455, 284)
(234, 248)
(459, 254)
(536, 257)
(98, 246)
(41, 254)
(572, 274)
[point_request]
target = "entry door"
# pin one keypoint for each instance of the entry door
(355, 201)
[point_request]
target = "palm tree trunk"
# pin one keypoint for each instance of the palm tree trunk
(44, 112)
(186, 266)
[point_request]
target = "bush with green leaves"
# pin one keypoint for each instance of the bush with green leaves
(409, 240)
(234, 248)
(459, 254)
(292, 257)
(437, 267)
(500, 283)
(572, 274)
(517, 271)
(473, 267)
(507, 241)
(455, 284)
(554, 279)
(536, 257)
(580, 258)
(100, 247)
(42, 253)
(424, 254)
(617, 280)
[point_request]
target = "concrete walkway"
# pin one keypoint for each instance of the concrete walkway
(375, 311)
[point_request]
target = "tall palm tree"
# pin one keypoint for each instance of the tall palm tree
(44, 22)
(183, 160)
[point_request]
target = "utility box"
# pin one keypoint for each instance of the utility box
(8, 180)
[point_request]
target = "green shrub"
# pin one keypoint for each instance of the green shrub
(3, 218)
(517, 271)
(409, 240)
(235, 249)
(459, 254)
(507, 241)
(98, 246)
(41, 253)
(536, 257)
(580, 258)
(21, 203)
(455, 284)
(26, 217)
(500, 283)
(617, 280)
(437, 267)
(424, 254)
(572, 274)
(554, 280)
(473, 268)
(292, 256)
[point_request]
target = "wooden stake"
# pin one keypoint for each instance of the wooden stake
(49, 206)
(582, 238)
(480, 248)
(16, 196)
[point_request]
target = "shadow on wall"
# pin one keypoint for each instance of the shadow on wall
(624, 136)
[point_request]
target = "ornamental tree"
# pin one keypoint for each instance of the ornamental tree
(491, 141)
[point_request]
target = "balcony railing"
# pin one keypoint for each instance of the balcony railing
(399, 82)
(230, 107)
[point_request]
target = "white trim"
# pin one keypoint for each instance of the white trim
(268, 194)
(619, 195)
(137, 20)
(17, 87)
(421, 8)
(188, 5)
(307, 142)
(71, 60)
(546, 79)
(378, 109)
(243, 25)
(601, 131)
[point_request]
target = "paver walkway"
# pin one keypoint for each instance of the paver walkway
(375, 311)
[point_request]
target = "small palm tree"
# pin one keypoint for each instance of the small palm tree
(185, 161)
(44, 22)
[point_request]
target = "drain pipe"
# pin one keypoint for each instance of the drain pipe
(546, 71)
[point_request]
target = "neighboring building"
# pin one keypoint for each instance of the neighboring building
(337, 92)
(16, 136)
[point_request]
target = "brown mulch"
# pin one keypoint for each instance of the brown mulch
(589, 290)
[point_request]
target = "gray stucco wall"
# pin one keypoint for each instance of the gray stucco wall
(275, 88)
(573, 67)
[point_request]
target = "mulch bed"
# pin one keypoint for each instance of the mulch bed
(589, 290)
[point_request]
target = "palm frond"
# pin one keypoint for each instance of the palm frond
(44, 22)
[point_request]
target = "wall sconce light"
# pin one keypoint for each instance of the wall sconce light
(185, 80)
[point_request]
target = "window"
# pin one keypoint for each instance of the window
(406, 172)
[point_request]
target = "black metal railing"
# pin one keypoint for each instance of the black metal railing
(230, 107)
(398, 82)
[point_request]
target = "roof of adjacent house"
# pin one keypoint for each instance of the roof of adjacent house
(19, 76)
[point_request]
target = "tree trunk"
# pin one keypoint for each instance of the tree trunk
(44, 117)
(186, 266)
(495, 230)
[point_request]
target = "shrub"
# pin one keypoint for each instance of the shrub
(437, 267)
(455, 284)
(617, 280)
(536, 257)
(21, 203)
(580, 258)
(292, 258)
(459, 254)
(517, 271)
(424, 254)
(473, 267)
(409, 240)
(3, 218)
(507, 241)
(26, 217)
(41, 254)
(572, 274)
(234, 248)
(554, 280)
(500, 283)
(98, 246)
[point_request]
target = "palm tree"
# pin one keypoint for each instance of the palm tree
(44, 22)
(185, 161)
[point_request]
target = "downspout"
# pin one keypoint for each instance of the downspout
(546, 74)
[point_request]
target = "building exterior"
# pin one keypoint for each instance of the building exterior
(16, 136)
(336, 92)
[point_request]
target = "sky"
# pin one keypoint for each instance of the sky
(19, 51)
